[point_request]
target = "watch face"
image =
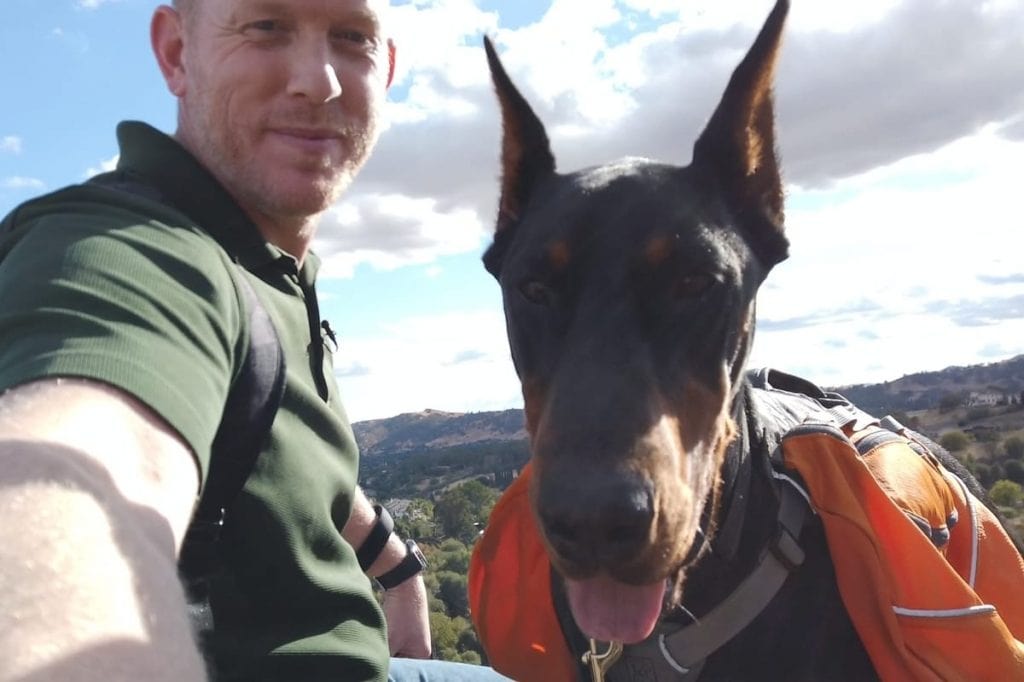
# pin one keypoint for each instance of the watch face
(415, 551)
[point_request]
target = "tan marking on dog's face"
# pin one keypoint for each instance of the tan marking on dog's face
(534, 397)
(676, 507)
(558, 255)
(704, 411)
(705, 430)
(657, 250)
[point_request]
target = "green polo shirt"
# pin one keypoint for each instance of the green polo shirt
(111, 286)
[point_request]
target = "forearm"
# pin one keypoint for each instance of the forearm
(88, 582)
(405, 605)
(358, 527)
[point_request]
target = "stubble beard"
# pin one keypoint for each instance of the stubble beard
(253, 187)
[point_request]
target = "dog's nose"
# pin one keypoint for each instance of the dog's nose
(597, 518)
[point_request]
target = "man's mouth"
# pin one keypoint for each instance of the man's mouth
(311, 140)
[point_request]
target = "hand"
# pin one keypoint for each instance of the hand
(405, 609)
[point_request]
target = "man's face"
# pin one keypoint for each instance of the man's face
(280, 99)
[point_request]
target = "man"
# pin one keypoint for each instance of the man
(123, 328)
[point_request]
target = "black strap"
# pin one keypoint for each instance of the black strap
(244, 428)
(375, 542)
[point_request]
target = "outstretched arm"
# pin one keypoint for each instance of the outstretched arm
(95, 496)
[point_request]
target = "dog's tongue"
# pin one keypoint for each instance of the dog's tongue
(610, 611)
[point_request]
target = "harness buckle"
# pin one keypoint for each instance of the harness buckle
(599, 663)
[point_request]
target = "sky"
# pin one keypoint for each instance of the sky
(900, 128)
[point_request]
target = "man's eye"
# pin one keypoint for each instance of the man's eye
(264, 27)
(354, 37)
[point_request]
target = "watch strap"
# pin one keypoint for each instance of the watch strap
(410, 565)
(375, 542)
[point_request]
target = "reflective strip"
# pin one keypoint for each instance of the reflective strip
(974, 527)
(668, 657)
(944, 613)
(799, 488)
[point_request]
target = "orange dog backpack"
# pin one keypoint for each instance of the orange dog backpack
(930, 599)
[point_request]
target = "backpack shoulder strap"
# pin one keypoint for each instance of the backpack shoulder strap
(249, 412)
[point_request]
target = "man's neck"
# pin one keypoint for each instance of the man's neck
(293, 236)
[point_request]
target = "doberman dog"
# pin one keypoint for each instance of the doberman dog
(629, 293)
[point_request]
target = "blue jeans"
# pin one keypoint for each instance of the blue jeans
(416, 670)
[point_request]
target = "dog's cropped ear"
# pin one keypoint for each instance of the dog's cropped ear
(526, 154)
(737, 148)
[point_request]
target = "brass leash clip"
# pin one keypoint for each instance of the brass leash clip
(600, 663)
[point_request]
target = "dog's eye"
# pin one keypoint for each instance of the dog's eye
(537, 292)
(692, 286)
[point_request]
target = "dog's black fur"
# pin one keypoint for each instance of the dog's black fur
(629, 296)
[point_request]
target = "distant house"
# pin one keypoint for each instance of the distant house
(503, 479)
(985, 398)
(398, 507)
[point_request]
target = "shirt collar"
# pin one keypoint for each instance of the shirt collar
(188, 186)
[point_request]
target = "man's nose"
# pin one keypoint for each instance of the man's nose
(313, 76)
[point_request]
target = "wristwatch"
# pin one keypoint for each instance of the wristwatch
(413, 563)
(375, 542)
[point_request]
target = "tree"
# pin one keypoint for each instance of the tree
(955, 441)
(452, 591)
(463, 509)
(982, 472)
(1014, 447)
(978, 413)
(452, 556)
(1014, 469)
(418, 521)
(950, 401)
(1007, 494)
(448, 633)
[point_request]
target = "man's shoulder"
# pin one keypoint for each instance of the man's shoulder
(78, 214)
(94, 199)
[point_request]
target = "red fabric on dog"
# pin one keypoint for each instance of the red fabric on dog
(917, 616)
(510, 594)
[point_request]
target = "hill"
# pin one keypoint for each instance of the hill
(980, 384)
(433, 430)
(422, 455)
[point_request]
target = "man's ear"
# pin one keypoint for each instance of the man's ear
(391, 62)
(166, 35)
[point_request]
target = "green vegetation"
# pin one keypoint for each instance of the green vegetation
(463, 510)
(1014, 447)
(418, 473)
(446, 529)
(1007, 494)
(955, 441)
(447, 495)
(450, 628)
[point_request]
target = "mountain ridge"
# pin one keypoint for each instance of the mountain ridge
(431, 429)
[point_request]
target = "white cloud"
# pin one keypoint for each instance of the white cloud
(435, 36)
(103, 167)
(901, 268)
(459, 363)
(901, 138)
(93, 4)
(21, 182)
(389, 231)
(11, 144)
